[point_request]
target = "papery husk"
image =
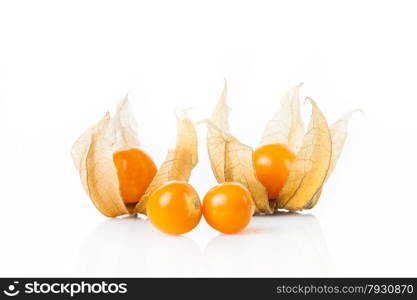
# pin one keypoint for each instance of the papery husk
(179, 161)
(93, 153)
(311, 167)
(231, 161)
(339, 134)
(286, 127)
(123, 128)
(93, 158)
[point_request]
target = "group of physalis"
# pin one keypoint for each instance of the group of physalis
(287, 171)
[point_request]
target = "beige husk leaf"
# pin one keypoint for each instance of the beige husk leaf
(309, 171)
(286, 127)
(339, 134)
(123, 128)
(179, 161)
(230, 159)
(93, 153)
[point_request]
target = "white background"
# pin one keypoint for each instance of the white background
(64, 63)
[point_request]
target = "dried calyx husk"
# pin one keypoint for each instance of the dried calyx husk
(179, 161)
(317, 152)
(93, 153)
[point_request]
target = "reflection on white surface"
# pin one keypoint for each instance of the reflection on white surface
(131, 247)
(279, 245)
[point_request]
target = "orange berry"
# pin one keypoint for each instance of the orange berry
(174, 208)
(228, 207)
(272, 164)
(135, 170)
